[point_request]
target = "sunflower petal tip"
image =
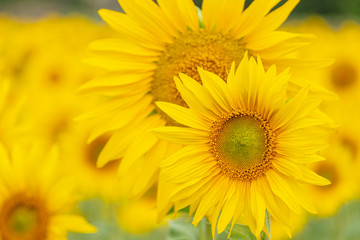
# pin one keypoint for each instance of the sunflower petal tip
(159, 103)
(101, 161)
(315, 211)
(246, 54)
(93, 229)
(326, 182)
(177, 81)
(201, 69)
(102, 12)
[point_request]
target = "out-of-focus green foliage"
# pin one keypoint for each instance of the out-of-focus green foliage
(103, 216)
(344, 225)
(180, 229)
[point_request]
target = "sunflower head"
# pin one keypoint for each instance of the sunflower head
(24, 216)
(162, 39)
(246, 143)
(36, 206)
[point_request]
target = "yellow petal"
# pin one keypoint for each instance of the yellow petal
(287, 167)
(188, 11)
(217, 88)
(290, 109)
(312, 178)
(212, 13)
(73, 223)
(181, 135)
(125, 25)
(257, 207)
(149, 16)
(252, 16)
(197, 98)
(171, 10)
(183, 115)
(282, 188)
(124, 46)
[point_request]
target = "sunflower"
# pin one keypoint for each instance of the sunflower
(79, 159)
(339, 169)
(246, 144)
(296, 222)
(34, 200)
(11, 106)
(129, 211)
(46, 69)
(159, 41)
(343, 77)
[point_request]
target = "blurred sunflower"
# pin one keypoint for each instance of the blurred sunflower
(47, 68)
(246, 146)
(11, 106)
(34, 199)
(339, 169)
(79, 159)
(343, 77)
(129, 211)
(296, 223)
(158, 42)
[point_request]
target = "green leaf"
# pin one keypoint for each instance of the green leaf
(239, 232)
(343, 225)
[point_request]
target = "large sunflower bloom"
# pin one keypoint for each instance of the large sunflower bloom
(246, 146)
(159, 41)
(34, 199)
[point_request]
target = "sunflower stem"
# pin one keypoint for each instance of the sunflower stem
(205, 230)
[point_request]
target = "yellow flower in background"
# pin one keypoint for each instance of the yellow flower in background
(138, 217)
(43, 62)
(79, 160)
(340, 170)
(35, 200)
(129, 211)
(246, 146)
(296, 224)
(340, 44)
(51, 57)
(11, 106)
(159, 41)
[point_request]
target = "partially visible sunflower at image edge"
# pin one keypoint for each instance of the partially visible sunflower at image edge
(246, 144)
(156, 43)
(35, 202)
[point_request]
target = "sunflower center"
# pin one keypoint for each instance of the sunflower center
(93, 151)
(54, 77)
(328, 171)
(23, 217)
(243, 144)
(343, 75)
(23, 220)
(350, 144)
(212, 51)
